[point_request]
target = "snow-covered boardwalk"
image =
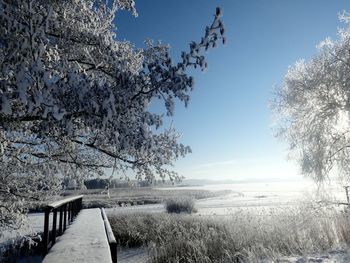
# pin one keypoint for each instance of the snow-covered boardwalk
(83, 241)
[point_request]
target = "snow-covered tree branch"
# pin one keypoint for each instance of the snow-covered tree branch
(313, 106)
(75, 100)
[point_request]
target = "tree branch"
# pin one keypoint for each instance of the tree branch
(109, 153)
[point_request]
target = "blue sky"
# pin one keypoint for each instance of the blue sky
(228, 122)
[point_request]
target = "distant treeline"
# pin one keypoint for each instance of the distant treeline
(99, 183)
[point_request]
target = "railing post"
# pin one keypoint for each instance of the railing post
(113, 248)
(54, 224)
(80, 203)
(74, 208)
(46, 232)
(69, 212)
(65, 218)
(61, 220)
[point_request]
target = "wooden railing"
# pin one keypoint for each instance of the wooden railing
(110, 236)
(67, 208)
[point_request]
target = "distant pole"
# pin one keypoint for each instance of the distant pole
(347, 193)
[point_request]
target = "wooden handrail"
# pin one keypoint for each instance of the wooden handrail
(110, 236)
(70, 206)
(64, 201)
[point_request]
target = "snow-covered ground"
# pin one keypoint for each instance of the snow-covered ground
(251, 196)
(35, 225)
(139, 255)
(339, 256)
(132, 255)
(255, 197)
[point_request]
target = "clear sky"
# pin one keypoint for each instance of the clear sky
(228, 122)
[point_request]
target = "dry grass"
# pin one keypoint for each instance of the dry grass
(139, 196)
(242, 237)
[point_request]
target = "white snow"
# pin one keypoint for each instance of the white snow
(84, 241)
(132, 255)
(35, 225)
(328, 257)
(248, 196)
(139, 255)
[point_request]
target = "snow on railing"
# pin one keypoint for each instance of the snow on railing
(110, 236)
(68, 208)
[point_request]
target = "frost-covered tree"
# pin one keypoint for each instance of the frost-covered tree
(313, 106)
(74, 100)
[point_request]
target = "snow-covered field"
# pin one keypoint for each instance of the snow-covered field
(255, 197)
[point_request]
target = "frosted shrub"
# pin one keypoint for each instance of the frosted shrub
(180, 205)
